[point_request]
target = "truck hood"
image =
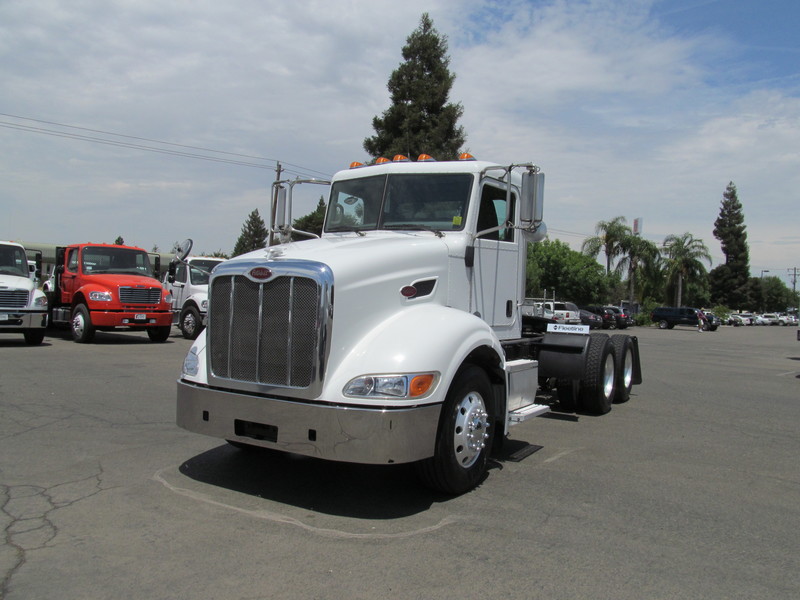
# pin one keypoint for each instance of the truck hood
(120, 280)
(365, 262)
(368, 275)
(13, 282)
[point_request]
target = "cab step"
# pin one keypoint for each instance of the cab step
(527, 412)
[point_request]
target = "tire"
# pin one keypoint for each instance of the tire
(81, 325)
(34, 337)
(158, 334)
(597, 385)
(191, 323)
(662, 324)
(568, 391)
(464, 437)
(623, 349)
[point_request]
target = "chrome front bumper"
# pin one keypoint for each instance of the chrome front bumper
(359, 435)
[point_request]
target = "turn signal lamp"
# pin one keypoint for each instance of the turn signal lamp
(425, 158)
(420, 385)
(465, 156)
(400, 158)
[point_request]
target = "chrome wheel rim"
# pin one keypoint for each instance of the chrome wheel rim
(471, 430)
(78, 325)
(608, 376)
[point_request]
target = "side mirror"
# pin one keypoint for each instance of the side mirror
(532, 209)
(280, 212)
(171, 272)
(157, 267)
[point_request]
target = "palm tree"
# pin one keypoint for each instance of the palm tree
(608, 238)
(637, 254)
(684, 256)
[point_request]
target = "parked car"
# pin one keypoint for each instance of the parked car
(740, 319)
(786, 319)
(565, 312)
(592, 320)
(761, 320)
(668, 317)
(623, 319)
(609, 316)
(771, 318)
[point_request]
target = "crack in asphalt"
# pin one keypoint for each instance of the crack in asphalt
(26, 514)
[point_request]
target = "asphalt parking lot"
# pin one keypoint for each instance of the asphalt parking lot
(689, 490)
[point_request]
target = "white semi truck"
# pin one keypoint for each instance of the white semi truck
(23, 307)
(187, 281)
(397, 336)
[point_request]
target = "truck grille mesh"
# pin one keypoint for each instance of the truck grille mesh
(130, 295)
(13, 298)
(264, 333)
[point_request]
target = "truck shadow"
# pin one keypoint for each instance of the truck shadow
(121, 337)
(333, 488)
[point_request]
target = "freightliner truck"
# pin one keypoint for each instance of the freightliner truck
(23, 307)
(396, 337)
(103, 287)
(187, 281)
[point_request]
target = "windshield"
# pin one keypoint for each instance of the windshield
(13, 261)
(125, 261)
(199, 276)
(429, 201)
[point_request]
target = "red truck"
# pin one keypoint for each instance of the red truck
(102, 287)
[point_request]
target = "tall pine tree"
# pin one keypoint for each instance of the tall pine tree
(729, 281)
(420, 119)
(253, 236)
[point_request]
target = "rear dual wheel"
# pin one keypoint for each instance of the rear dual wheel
(598, 384)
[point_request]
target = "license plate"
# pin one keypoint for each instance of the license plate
(3, 317)
(140, 317)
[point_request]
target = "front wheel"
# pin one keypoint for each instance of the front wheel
(34, 337)
(81, 325)
(158, 334)
(662, 324)
(191, 323)
(464, 436)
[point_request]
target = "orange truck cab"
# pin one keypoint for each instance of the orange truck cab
(102, 287)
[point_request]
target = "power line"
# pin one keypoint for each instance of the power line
(298, 169)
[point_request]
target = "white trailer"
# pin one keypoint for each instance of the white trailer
(398, 336)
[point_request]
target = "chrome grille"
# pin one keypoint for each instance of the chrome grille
(132, 295)
(13, 298)
(268, 334)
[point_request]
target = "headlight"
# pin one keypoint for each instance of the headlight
(40, 301)
(168, 298)
(391, 386)
(191, 364)
(101, 296)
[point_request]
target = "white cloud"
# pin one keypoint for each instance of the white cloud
(626, 114)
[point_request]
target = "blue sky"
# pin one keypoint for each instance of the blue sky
(645, 109)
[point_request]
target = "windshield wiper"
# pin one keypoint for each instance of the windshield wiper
(348, 230)
(415, 227)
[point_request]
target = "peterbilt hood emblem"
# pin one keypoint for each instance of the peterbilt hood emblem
(260, 273)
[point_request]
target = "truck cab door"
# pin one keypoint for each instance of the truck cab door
(496, 277)
(179, 288)
(69, 278)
